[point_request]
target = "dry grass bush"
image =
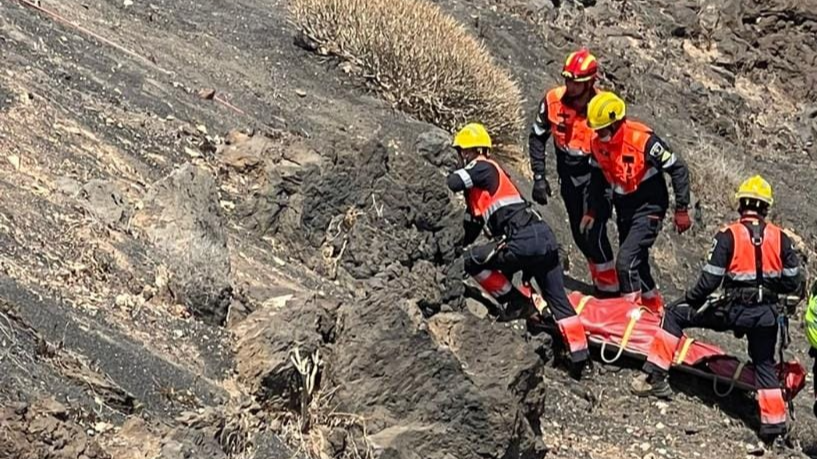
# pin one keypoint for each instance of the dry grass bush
(199, 277)
(419, 58)
(716, 173)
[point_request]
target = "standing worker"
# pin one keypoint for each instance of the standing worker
(563, 115)
(522, 240)
(756, 262)
(629, 158)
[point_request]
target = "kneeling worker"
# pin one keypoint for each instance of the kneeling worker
(523, 241)
(756, 262)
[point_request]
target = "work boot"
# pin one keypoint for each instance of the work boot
(652, 385)
(577, 370)
(771, 433)
(515, 305)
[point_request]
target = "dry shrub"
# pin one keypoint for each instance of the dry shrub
(419, 58)
(716, 174)
(199, 277)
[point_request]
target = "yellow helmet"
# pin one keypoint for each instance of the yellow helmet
(756, 188)
(473, 135)
(604, 109)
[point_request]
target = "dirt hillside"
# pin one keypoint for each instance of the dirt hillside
(218, 241)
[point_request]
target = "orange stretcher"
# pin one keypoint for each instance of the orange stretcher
(620, 327)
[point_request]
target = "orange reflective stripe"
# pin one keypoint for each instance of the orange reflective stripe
(483, 204)
(623, 160)
(573, 332)
(493, 282)
(604, 276)
(772, 406)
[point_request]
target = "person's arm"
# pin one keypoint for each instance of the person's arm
(790, 279)
(537, 140)
(476, 174)
(714, 270)
(597, 190)
(662, 157)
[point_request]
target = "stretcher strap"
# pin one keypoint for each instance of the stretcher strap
(635, 315)
(735, 377)
(682, 354)
(582, 303)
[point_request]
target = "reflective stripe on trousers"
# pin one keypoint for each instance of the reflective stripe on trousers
(772, 406)
(494, 282)
(573, 332)
(604, 276)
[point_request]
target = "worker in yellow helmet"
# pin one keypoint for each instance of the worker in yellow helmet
(756, 263)
(630, 162)
(522, 241)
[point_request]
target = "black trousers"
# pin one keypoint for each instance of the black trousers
(758, 323)
(636, 234)
(594, 244)
(532, 249)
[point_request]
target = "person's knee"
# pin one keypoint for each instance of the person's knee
(625, 263)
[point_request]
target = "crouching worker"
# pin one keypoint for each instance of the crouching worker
(756, 263)
(522, 240)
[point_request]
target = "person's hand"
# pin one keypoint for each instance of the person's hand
(682, 221)
(587, 222)
(541, 191)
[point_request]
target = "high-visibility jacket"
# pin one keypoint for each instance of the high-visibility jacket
(484, 204)
(623, 160)
(753, 238)
(571, 134)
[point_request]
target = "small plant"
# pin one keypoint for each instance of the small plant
(310, 428)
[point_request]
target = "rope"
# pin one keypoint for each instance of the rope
(61, 19)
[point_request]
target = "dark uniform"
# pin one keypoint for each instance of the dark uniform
(631, 165)
(571, 141)
(529, 245)
(755, 262)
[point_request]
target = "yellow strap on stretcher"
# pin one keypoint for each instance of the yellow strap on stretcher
(635, 315)
(582, 303)
(682, 354)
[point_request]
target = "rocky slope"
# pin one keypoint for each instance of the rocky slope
(191, 197)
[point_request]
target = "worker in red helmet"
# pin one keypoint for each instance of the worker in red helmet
(562, 115)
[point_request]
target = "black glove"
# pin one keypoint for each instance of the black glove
(541, 190)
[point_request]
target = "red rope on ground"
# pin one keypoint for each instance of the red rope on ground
(57, 17)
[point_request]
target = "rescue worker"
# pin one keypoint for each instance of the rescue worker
(810, 321)
(756, 263)
(562, 115)
(628, 159)
(522, 240)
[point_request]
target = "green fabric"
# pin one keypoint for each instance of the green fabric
(811, 320)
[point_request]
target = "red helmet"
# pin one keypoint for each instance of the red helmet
(580, 66)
